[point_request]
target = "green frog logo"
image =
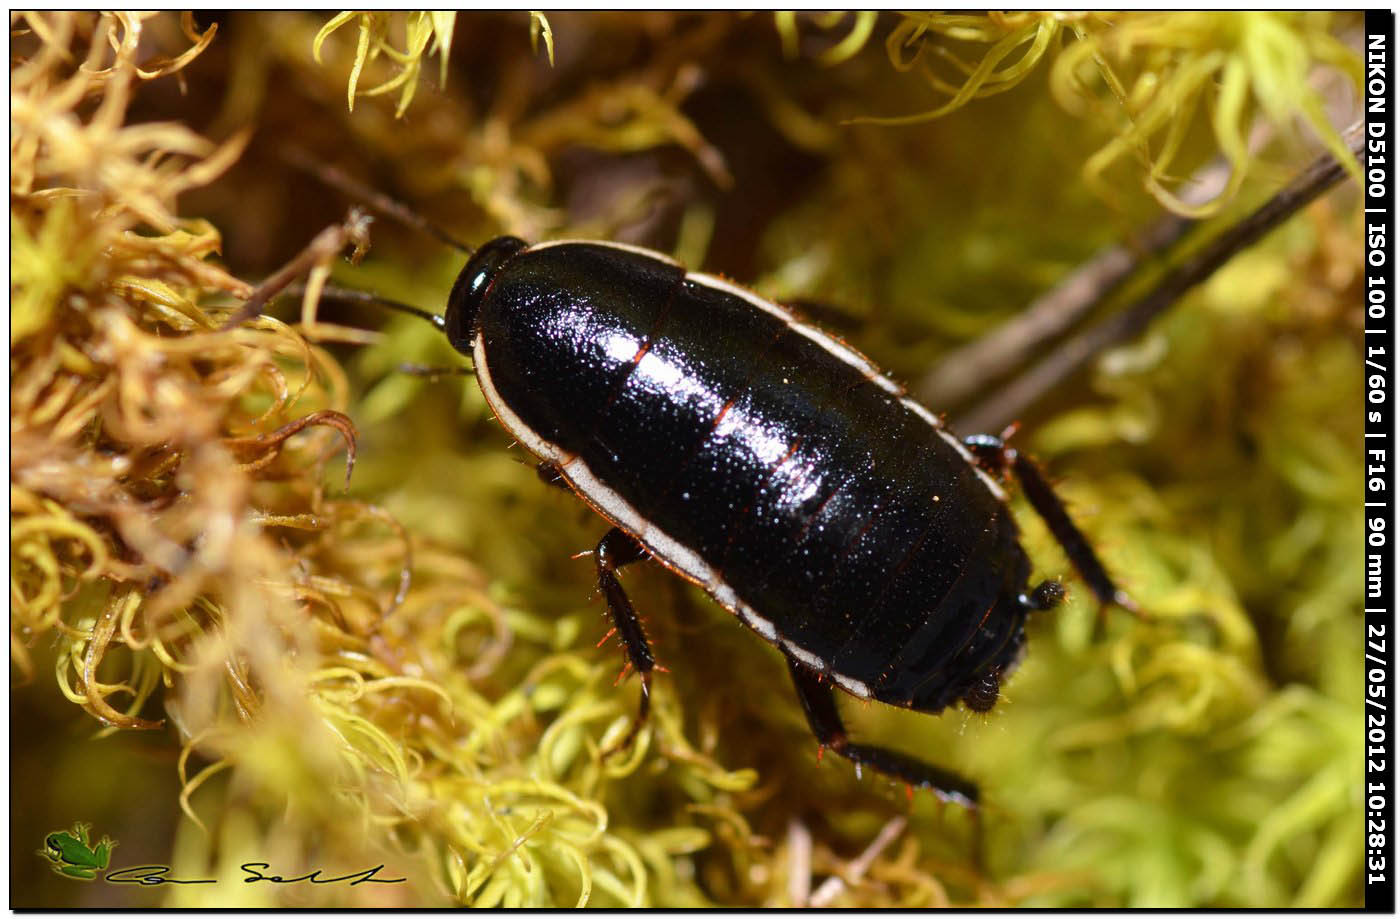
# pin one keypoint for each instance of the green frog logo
(71, 854)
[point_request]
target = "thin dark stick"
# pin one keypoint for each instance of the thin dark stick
(323, 248)
(972, 367)
(341, 181)
(994, 413)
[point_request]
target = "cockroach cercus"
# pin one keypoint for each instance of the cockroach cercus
(773, 466)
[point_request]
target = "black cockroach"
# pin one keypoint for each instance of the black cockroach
(773, 466)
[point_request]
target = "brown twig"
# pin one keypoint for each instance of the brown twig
(994, 413)
(833, 886)
(974, 367)
(320, 251)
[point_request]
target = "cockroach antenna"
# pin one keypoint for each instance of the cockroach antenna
(350, 295)
(337, 178)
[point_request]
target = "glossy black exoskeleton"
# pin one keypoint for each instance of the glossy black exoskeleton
(773, 466)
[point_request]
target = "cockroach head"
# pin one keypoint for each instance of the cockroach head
(471, 286)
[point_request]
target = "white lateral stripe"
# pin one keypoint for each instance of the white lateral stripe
(854, 687)
(758, 623)
(922, 412)
(844, 353)
(805, 656)
(625, 247)
(849, 355)
(991, 483)
(720, 284)
(576, 471)
(855, 359)
(517, 428)
(958, 446)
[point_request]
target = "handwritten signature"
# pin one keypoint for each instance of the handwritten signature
(155, 875)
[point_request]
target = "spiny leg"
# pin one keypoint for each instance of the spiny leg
(995, 456)
(615, 549)
(819, 702)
